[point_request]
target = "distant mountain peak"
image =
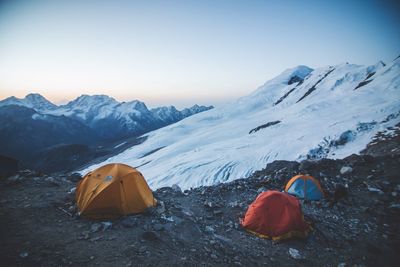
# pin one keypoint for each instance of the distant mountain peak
(33, 100)
(39, 102)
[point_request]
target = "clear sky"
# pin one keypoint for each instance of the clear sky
(182, 52)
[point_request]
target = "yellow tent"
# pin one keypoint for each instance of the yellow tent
(113, 190)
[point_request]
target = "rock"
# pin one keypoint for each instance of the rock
(95, 239)
(233, 204)
(72, 190)
(15, 179)
(375, 190)
(95, 227)
(346, 170)
(160, 209)
(176, 188)
(208, 204)
(75, 177)
(84, 235)
(51, 181)
(340, 192)
(213, 256)
(295, 254)
(394, 206)
(106, 225)
(342, 264)
(150, 235)
(261, 189)
(129, 222)
(209, 229)
(158, 227)
(24, 254)
(217, 212)
(142, 249)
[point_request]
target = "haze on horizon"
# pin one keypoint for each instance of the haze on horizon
(182, 52)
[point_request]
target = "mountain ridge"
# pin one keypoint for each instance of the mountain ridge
(321, 116)
(102, 111)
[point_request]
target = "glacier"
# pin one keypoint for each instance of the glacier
(330, 112)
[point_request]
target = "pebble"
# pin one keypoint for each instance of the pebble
(150, 235)
(209, 229)
(217, 212)
(129, 222)
(106, 225)
(72, 190)
(158, 227)
(346, 169)
(23, 254)
(95, 227)
(375, 190)
(295, 254)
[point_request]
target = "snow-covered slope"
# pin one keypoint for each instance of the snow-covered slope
(303, 113)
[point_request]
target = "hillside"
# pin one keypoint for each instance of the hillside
(49, 138)
(357, 226)
(329, 112)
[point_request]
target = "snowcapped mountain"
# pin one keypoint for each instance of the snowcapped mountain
(110, 118)
(303, 113)
(35, 101)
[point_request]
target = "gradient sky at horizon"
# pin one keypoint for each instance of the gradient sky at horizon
(182, 52)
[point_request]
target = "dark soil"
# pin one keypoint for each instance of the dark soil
(357, 223)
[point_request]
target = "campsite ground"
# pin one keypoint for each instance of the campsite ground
(354, 226)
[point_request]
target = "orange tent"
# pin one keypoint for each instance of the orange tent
(113, 190)
(275, 215)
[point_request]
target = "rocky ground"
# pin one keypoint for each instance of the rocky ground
(356, 225)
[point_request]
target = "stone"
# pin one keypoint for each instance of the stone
(52, 181)
(208, 204)
(233, 204)
(150, 235)
(106, 225)
(75, 177)
(84, 235)
(72, 190)
(346, 170)
(15, 178)
(95, 238)
(394, 206)
(209, 229)
(129, 222)
(217, 212)
(158, 227)
(160, 209)
(176, 188)
(375, 190)
(95, 227)
(295, 254)
(261, 189)
(24, 254)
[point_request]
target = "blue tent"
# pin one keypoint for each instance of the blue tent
(305, 187)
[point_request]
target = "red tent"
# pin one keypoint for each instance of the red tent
(275, 215)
